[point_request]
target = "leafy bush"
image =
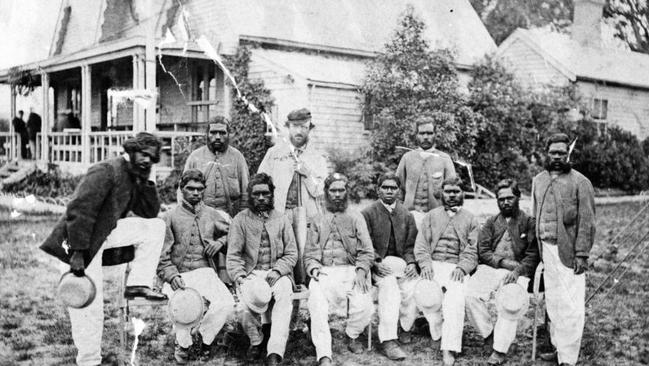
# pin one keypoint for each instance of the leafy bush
(409, 80)
(51, 183)
(360, 169)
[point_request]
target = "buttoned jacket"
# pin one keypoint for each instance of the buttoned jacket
(279, 163)
(380, 222)
(575, 212)
(434, 224)
(522, 232)
(351, 226)
(107, 193)
(244, 239)
(409, 171)
(184, 223)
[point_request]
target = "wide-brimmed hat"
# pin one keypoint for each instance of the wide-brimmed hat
(256, 294)
(512, 301)
(186, 307)
(397, 265)
(428, 295)
(76, 292)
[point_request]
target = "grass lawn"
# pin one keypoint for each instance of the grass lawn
(35, 329)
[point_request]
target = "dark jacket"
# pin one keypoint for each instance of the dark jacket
(575, 212)
(244, 239)
(105, 194)
(379, 221)
(522, 233)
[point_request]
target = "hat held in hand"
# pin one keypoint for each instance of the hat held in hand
(76, 292)
(511, 301)
(256, 294)
(397, 265)
(186, 307)
(428, 295)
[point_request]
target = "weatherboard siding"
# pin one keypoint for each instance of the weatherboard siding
(529, 66)
(627, 108)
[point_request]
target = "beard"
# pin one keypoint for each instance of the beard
(218, 146)
(508, 211)
(140, 170)
(560, 166)
(336, 205)
(303, 140)
(261, 206)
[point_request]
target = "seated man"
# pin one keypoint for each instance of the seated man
(195, 233)
(446, 252)
(393, 232)
(507, 253)
(337, 256)
(261, 243)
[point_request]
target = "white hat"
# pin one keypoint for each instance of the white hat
(396, 265)
(256, 294)
(428, 295)
(76, 292)
(512, 301)
(186, 307)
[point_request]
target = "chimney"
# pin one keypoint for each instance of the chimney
(586, 22)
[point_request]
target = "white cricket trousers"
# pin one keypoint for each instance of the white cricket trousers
(207, 282)
(333, 293)
(396, 305)
(280, 316)
(480, 288)
(448, 323)
(147, 235)
(564, 300)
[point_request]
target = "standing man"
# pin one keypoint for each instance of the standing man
(393, 232)
(195, 233)
(422, 171)
(96, 219)
(224, 167)
(564, 206)
(296, 166)
(261, 244)
(446, 252)
(33, 128)
(507, 253)
(338, 257)
(21, 129)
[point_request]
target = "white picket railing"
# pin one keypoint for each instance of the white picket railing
(9, 146)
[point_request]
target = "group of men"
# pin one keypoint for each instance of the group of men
(427, 254)
(27, 132)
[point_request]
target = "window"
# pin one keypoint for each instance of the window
(600, 108)
(368, 117)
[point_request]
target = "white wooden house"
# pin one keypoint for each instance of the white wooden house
(308, 53)
(614, 82)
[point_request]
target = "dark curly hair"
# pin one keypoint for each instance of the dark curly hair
(142, 141)
(260, 178)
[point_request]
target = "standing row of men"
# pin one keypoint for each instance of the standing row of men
(426, 255)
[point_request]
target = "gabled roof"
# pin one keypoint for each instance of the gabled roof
(361, 25)
(575, 61)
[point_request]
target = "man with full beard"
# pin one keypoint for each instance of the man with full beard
(422, 171)
(297, 167)
(261, 244)
(338, 256)
(446, 252)
(507, 253)
(96, 220)
(224, 167)
(564, 207)
(393, 232)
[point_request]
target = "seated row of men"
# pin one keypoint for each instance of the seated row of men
(347, 251)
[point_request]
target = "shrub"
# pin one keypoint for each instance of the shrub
(361, 171)
(51, 183)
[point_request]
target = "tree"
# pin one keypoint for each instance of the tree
(409, 80)
(631, 21)
(502, 17)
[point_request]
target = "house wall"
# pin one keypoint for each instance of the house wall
(529, 66)
(627, 107)
(116, 75)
